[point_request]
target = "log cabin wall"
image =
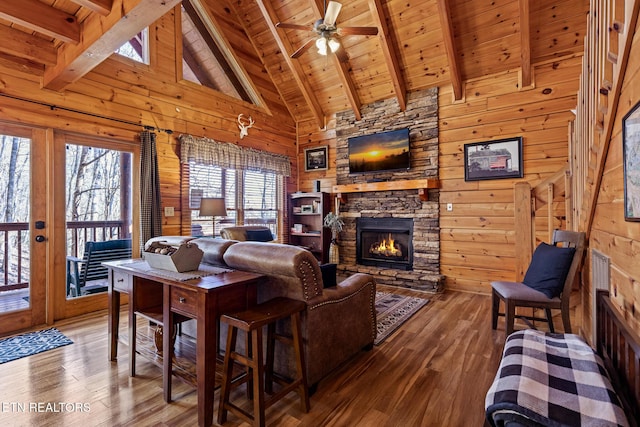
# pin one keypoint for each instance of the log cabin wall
(477, 242)
(610, 234)
(477, 237)
(153, 95)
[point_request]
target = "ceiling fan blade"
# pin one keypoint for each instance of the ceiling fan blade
(293, 26)
(330, 16)
(302, 49)
(361, 31)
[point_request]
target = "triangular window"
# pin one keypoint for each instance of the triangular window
(205, 59)
(137, 48)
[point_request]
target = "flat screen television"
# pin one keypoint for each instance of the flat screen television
(385, 151)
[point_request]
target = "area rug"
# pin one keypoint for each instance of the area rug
(31, 343)
(393, 310)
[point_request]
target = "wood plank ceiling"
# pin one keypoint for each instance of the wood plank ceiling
(420, 44)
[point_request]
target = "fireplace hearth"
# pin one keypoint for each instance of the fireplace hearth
(385, 242)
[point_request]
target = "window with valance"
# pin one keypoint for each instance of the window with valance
(250, 180)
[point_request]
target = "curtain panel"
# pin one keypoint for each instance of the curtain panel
(150, 203)
(208, 152)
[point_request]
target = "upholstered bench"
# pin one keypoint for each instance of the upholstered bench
(548, 379)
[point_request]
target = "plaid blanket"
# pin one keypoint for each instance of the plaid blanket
(553, 380)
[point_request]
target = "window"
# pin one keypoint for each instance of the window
(206, 60)
(250, 197)
(137, 48)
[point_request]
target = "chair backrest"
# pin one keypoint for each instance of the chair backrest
(95, 253)
(571, 239)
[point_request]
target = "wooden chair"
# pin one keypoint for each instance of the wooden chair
(82, 271)
(517, 294)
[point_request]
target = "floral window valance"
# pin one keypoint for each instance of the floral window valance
(206, 151)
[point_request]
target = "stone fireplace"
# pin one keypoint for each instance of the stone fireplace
(416, 263)
(385, 242)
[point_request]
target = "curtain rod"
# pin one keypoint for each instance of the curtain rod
(54, 107)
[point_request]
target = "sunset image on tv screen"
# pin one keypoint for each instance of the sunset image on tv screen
(379, 152)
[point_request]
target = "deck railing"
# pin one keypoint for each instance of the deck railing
(14, 244)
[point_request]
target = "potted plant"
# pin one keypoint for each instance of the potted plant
(335, 223)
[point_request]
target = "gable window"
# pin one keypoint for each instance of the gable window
(137, 48)
(206, 60)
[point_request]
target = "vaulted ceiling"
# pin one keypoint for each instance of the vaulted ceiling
(420, 43)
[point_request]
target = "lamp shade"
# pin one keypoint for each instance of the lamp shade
(212, 207)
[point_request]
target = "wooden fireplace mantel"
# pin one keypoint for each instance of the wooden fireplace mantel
(422, 185)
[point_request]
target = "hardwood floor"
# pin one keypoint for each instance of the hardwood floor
(434, 371)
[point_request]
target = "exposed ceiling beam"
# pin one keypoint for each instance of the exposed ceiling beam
(450, 48)
(525, 43)
(23, 45)
(41, 18)
(101, 36)
(341, 67)
(389, 52)
(103, 7)
(296, 69)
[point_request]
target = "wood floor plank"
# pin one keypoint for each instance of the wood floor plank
(434, 371)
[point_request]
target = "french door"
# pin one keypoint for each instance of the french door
(93, 186)
(48, 211)
(24, 227)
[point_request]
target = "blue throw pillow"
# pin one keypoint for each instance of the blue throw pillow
(548, 269)
(259, 235)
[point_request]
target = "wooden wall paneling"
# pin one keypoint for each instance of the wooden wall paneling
(494, 108)
(601, 163)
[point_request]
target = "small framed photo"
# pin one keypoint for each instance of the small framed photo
(315, 159)
(493, 159)
(631, 162)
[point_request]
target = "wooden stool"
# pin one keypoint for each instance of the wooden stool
(251, 321)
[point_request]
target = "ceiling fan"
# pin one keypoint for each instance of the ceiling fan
(328, 33)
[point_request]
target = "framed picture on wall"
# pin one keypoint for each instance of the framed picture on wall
(315, 158)
(631, 162)
(493, 159)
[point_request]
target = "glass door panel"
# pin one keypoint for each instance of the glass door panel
(22, 286)
(98, 209)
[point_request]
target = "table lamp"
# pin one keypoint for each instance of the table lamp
(214, 207)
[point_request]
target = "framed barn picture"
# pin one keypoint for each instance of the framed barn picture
(315, 159)
(493, 159)
(631, 162)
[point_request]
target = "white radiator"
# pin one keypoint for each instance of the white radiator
(599, 280)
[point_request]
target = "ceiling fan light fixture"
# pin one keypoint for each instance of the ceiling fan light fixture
(326, 44)
(321, 44)
(333, 45)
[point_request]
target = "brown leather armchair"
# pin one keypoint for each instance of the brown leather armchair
(338, 322)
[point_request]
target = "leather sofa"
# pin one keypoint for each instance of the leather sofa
(338, 322)
(243, 233)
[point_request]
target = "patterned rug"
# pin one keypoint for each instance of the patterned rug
(393, 310)
(31, 343)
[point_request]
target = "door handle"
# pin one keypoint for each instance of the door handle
(40, 238)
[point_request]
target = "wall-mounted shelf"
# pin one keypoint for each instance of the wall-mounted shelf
(422, 185)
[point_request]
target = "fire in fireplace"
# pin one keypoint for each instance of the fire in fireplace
(385, 242)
